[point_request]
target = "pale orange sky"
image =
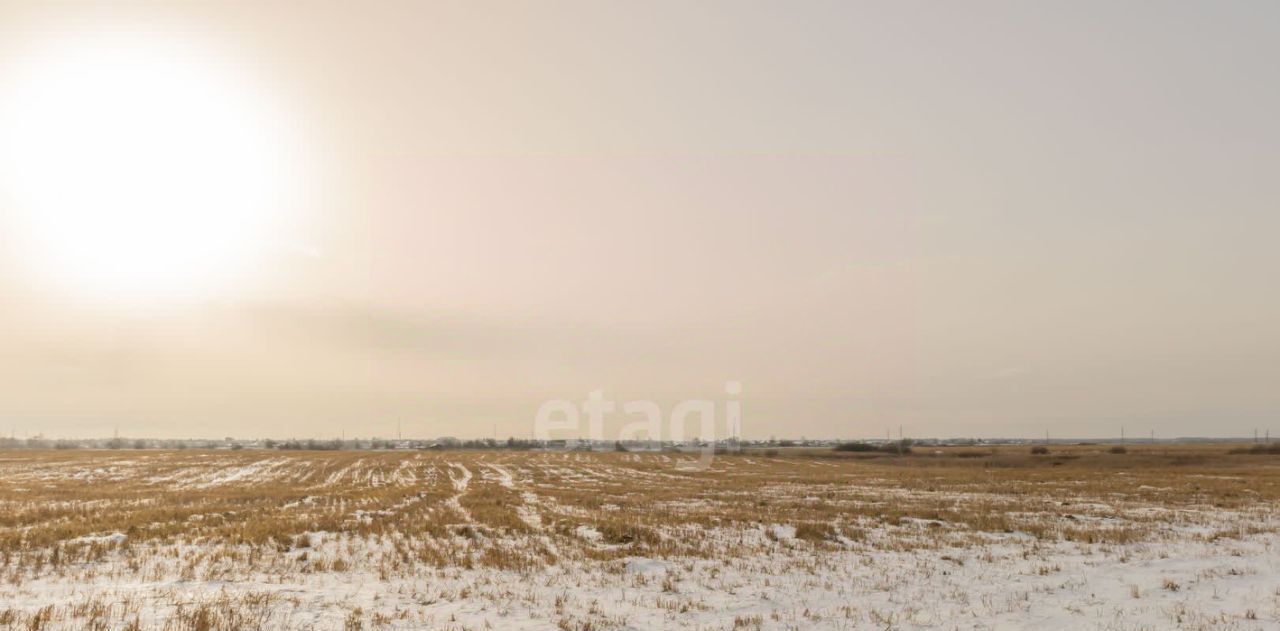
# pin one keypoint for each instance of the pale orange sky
(984, 219)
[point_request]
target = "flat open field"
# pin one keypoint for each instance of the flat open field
(1159, 538)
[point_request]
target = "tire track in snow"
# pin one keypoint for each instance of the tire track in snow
(460, 484)
(526, 511)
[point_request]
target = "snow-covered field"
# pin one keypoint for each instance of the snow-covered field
(503, 540)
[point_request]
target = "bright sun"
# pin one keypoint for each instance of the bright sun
(140, 167)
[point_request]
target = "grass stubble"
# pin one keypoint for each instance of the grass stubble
(203, 540)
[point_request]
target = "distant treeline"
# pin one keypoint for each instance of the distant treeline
(900, 446)
(894, 447)
(381, 443)
(312, 444)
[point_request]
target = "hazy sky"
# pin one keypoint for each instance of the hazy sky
(965, 218)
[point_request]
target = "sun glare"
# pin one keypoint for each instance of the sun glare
(137, 167)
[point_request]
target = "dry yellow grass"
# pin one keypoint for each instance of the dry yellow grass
(229, 515)
(51, 498)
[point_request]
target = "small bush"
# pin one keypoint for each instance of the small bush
(1259, 450)
(815, 531)
(1039, 450)
(1119, 449)
(856, 447)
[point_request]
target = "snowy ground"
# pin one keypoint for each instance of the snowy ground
(625, 541)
